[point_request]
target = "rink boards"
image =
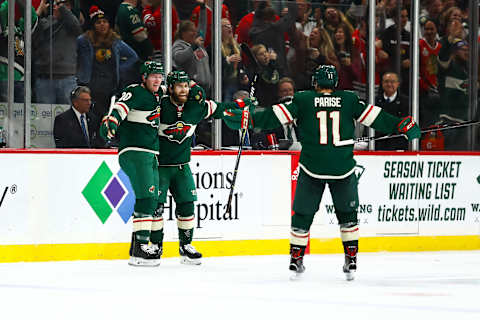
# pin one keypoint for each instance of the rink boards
(74, 204)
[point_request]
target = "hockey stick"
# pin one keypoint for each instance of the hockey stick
(246, 50)
(441, 128)
(110, 110)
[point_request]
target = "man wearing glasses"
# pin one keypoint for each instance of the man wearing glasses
(78, 127)
(396, 103)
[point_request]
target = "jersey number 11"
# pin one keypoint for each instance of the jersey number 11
(335, 116)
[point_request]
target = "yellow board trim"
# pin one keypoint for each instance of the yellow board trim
(112, 251)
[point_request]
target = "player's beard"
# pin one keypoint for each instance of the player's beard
(180, 99)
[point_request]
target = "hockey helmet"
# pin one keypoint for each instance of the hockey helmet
(149, 67)
(177, 77)
(325, 76)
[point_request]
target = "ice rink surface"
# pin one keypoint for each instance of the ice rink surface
(425, 285)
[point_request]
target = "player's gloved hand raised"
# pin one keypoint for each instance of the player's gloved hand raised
(408, 127)
(108, 127)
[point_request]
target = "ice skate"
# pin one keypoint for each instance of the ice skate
(296, 262)
(297, 268)
(144, 255)
(350, 267)
(189, 255)
(158, 251)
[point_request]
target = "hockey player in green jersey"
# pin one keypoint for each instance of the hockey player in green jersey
(128, 23)
(325, 119)
(181, 112)
(136, 114)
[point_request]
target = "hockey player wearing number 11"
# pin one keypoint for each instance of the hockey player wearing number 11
(325, 120)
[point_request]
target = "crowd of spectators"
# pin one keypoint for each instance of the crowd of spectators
(100, 44)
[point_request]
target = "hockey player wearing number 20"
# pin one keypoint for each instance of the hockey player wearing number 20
(136, 115)
(324, 117)
(182, 109)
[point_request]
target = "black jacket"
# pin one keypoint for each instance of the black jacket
(399, 108)
(67, 131)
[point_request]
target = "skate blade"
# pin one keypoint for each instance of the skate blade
(139, 262)
(186, 260)
(294, 276)
(350, 276)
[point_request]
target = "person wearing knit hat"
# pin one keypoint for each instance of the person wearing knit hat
(105, 63)
(96, 14)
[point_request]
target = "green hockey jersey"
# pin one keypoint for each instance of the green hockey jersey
(178, 123)
(139, 113)
(326, 128)
(129, 25)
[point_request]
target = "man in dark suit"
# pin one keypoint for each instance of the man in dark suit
(394, 103)
(78, 127)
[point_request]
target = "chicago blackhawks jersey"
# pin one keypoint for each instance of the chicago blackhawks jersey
(326, 126)
(428, 64)
(178, 123)
(152, 19)
(139, 111)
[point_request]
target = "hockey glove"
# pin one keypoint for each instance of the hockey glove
(235, 118)
(109, 127)
(196, 93)
(408, 127)
(250, 102)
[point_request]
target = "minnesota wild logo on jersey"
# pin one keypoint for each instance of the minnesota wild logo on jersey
(139, 110)
(154, 117)
(177, 132)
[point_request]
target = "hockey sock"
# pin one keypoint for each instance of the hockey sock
(299, 237)
(185, 222)
(142, 219)
(349, 231)
(156, 235)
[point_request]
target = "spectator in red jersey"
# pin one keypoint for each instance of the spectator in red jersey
(429, 50)
(152, 19)
(202, 16)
